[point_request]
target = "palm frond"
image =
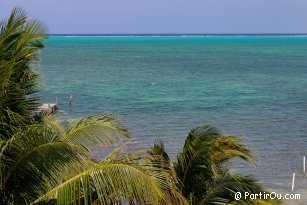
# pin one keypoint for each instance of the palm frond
(161, 160)
(117, 154)
(113, 183)
(95, 131)
(40, 166)
(228, 148)
(20, 41)
(226, 185)
(36, 154)
(203, 158)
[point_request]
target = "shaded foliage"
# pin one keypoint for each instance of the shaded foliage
(200, 170)
(42, 161)
(20, 42)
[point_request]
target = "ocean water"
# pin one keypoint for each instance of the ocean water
(163, 86)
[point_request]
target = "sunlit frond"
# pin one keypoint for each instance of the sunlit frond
(20, 42)
(94, 132)
(112, 183)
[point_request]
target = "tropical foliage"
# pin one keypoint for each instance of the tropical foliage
(200, 170)
(44, 162)
(20, 41)
(40, 160)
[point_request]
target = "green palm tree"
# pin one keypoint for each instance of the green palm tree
(20, 41)
(41, 162)
(201, 171)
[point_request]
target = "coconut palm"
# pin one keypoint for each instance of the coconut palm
(20, 41)
(42, 162)
(201, 171)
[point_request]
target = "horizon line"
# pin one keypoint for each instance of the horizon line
(172, 33)
(177, 34)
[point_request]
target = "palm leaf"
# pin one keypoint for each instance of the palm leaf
(43, 156)
(95, 131)
(224, 187)
(162, 160)
(113, 183)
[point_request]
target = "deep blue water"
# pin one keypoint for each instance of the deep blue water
(162, 86)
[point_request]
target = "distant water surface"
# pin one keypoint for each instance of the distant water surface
(162, 86)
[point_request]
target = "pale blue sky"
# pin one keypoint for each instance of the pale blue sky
(166, 16)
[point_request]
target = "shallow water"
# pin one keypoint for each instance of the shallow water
(251, 86)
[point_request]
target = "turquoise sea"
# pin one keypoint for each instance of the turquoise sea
(254, 86)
